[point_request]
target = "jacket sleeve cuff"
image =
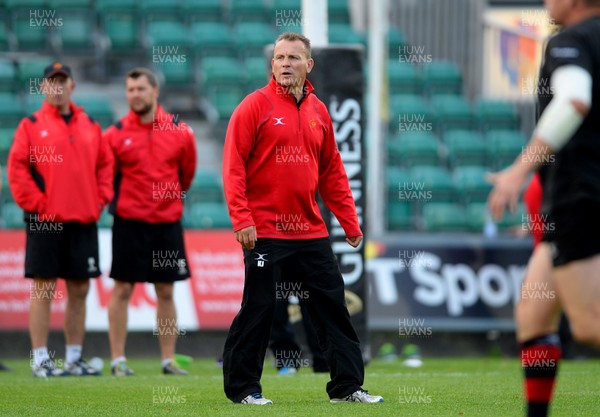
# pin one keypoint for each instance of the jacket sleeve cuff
(243, 225)
(353, 233)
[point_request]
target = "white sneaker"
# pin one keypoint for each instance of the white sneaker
(81, 368)
(360, 396)
(47, 369)
(256, 399)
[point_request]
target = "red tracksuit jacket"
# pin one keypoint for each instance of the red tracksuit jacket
(277, 156)
(62, 172)
(154, 167)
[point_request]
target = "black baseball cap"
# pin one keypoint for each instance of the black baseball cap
(57, 68)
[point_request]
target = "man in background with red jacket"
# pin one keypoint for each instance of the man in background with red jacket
(155, 160)
(60, 172)
(279, 152)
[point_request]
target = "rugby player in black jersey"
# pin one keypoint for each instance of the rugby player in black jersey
(569, 131)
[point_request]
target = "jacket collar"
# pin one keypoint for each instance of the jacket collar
(283, 91)
(161, 115)
(51, 110)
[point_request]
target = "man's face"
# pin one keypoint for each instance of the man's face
(141, 96)
(559, 9)
(290, 63)
(58, 89)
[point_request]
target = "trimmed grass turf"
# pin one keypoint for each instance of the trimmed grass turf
(442, 387)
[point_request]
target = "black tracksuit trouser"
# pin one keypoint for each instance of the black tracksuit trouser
(322, 287)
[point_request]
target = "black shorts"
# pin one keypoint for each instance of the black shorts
(144, 252)
(66, 250)
(574, 233)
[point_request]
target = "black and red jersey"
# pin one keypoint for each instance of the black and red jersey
(574, 177)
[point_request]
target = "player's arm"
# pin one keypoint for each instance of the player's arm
(105, 169)
(335, 189)
(572, 86)
(109, 136)
(187, 162)
(25, 191)
(238, 145)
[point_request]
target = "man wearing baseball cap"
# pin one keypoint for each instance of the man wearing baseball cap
(57, 69)
(60, 173)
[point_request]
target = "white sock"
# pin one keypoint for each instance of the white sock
(40, 355)
(165, 362)
(73, 353)
(118, 359)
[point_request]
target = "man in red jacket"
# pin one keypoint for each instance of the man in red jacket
(155, 160)
(60, 172)
(279, 152)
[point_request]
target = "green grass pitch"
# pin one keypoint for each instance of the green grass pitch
(441, 387)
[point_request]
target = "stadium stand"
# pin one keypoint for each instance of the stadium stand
(404, 78)
(337, 10)
(493, 114)
(503, 146)
(249, 11)
(444, 217)
(442, 77)
(453, 112)
(206, 216)
(203, 11)
(122, 31)
(206, 187)
(12, 215)
(6, 137)
(11, 110)
(98, 107)
(414, 148)
(436, 135)
(464, 148)
(212, 39)
(470, 184)
(8, 76)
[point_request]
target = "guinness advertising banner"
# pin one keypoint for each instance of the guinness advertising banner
(338, 80)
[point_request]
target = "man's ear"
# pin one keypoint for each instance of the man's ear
(311, 64)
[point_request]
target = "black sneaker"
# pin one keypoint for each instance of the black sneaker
(81, 368)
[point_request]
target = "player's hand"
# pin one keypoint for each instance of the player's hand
(507, 187)
(354, 241)
(246, 237)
